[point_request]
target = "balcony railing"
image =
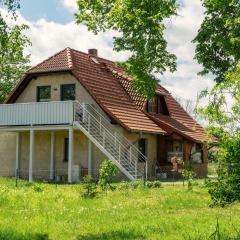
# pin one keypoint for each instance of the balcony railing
(28, 114)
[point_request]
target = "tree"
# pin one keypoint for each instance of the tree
(141, 25)
(218, 45)
(13, 62)
(218, 39)
(107, 172)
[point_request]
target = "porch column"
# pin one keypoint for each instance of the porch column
(89, 157)
(70, 154)
(52, 155)
(31, 155)
(17, 154)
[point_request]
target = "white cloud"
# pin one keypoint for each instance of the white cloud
(70, 4)
(180, 32)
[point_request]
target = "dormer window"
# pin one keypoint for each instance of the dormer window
(157, 105)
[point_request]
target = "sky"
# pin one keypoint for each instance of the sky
(52, 28)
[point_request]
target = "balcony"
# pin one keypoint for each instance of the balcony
(36, 114)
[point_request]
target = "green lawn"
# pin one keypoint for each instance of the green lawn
(170, 212)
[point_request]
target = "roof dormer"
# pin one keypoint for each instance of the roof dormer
(157, 105)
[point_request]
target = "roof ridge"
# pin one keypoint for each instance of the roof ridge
(69, 57)
(46, 60)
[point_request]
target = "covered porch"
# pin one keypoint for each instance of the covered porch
(183, 150)
(45, 141)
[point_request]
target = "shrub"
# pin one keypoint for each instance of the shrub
(89, 186)
(226, 189)
(37, 187)
(153, 184)
(188, 174)
(108, 171)
(138, 184)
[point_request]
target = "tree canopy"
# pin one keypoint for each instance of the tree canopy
(218, 50)
(13, 61)
(218, 39)
(140, 26)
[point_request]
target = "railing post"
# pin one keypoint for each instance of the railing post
(136, 162)
(146, 170)
(130, 154)
(119, 153)
(88, 122)
(104, 138)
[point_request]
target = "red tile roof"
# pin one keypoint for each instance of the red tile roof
(111, 89)
(93, 74)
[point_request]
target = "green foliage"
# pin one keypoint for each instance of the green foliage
(159, 213)
(141, 25)
(188, 174)
(153, 184)
(218, 50)
(13, 61)
(107, 172)
(37, 187)
(138, 185)
(89, 186)
(227, 189)
(218, 40)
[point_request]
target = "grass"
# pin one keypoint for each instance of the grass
(44, 211)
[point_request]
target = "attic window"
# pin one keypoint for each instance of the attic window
(157, 105)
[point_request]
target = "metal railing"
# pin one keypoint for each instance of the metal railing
(117, 147)
(28, 114)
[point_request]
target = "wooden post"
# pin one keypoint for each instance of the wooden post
(17, 154)
(89, 157)
(70, 154)
(31, 156)
(52, 155)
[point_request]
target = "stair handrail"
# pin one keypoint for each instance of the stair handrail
(119, 137)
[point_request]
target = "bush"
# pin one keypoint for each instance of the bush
(138, 184)
(37, 187)
(108, 171)
(153, 184)
(89, 186)
(188, 174)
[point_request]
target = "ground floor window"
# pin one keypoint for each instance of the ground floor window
(66, 146)
(197, 153)
(142, 149)
(174, 149)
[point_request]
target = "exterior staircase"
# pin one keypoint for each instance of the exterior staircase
(112, 143)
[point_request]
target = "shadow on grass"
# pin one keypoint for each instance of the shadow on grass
(12, 235)
(116, 235)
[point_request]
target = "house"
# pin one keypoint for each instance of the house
(73, 110)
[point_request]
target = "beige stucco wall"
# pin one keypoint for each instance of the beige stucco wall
(41, 163)
(151, 151)
(7, 154)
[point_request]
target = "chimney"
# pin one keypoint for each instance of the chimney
(93, 52)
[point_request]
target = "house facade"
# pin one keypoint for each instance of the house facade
(73, 110)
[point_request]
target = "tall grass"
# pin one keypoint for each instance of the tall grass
(45, 211)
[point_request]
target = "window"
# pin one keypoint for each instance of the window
(157, 105)
(43, 93)
(67, 92)
(66, 145)
(142, 149)
(197, 153)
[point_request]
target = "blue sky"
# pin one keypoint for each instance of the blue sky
(52, 28)
(52, 10)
